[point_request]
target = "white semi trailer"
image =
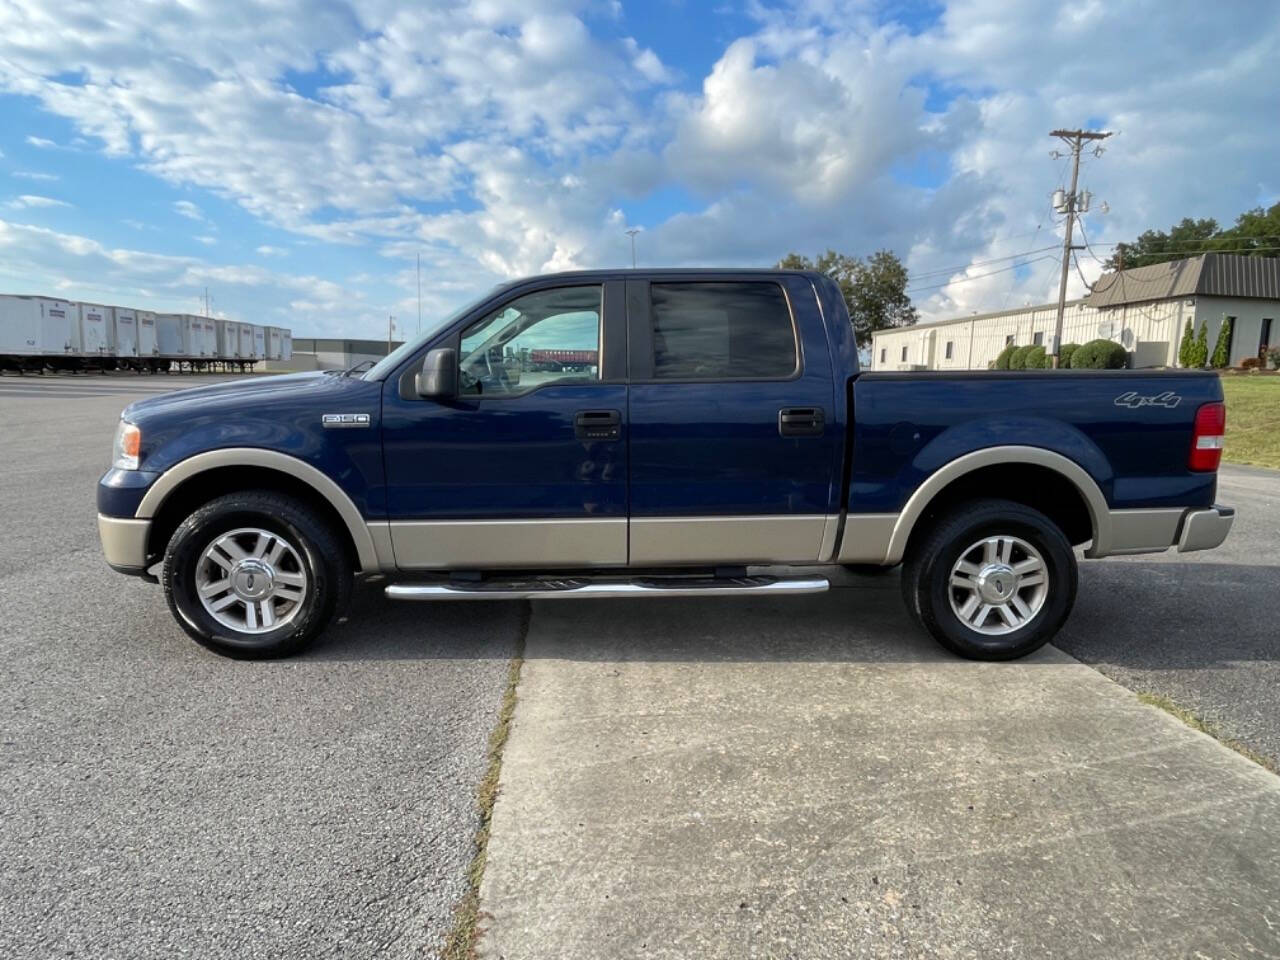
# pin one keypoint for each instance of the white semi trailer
(125, 337)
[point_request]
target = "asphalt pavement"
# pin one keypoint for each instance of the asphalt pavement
(159, 801)
(1200, 628)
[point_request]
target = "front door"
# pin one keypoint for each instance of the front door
(527, 466)
(734, 437)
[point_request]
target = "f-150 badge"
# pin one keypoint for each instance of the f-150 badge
(1133, 401)
(345, 420)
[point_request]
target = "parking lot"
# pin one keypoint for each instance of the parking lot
(157, 800)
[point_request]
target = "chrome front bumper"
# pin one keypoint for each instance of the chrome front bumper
(124, 542)
(1205, 529)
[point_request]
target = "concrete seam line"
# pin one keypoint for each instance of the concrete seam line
(460, 942)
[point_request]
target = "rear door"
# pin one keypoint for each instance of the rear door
(527, 466)
(734, 438)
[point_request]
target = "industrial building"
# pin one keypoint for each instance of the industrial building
(44, 333)
(1145, 309)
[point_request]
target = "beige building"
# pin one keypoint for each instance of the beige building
(1144, 309)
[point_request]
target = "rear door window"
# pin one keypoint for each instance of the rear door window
(722, 331)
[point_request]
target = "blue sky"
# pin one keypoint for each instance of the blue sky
(296, 160)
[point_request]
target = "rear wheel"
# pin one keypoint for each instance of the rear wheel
(993, 580)
(255, 575)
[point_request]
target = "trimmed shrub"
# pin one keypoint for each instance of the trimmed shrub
(1099, 355)
(1019, 359)
(1064, 354)
(1274, 356)
(1222, 346)
(1037, 359)
(1200, 349)
(1002, 359)
(1184, 349)
(1251, 363)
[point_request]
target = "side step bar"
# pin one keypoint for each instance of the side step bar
(576, 588)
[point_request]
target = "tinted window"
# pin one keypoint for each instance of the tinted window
(950, 344)
(1037, 340)
(724, 331)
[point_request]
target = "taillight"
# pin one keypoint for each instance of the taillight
(1206, 438)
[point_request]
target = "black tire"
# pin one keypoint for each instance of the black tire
(318, 551)
(927, 589)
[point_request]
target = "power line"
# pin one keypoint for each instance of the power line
(979, 276)
(982, 263)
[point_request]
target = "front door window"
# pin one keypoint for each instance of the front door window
(551, 336)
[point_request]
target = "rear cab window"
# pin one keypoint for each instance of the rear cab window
(737, 330)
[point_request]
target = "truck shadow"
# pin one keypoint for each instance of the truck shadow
(1152, 616)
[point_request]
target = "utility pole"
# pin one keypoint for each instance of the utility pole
(206, 301)
(391, 323)
(632, 234)
(1075, 139)
(419, 273)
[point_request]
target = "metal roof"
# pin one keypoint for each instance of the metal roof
(1208, 275)
(969, 318)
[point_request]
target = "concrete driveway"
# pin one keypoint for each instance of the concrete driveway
(733, 779)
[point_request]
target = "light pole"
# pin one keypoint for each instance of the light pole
(632, 234)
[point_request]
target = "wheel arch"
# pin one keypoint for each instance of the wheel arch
(198, 479)
(1007, 466)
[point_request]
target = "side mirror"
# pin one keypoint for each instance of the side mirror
(439, 376)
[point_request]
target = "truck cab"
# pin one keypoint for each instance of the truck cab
(646, 433)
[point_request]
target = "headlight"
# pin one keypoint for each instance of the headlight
(124, 452)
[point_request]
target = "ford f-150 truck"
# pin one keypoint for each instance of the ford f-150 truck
(713, 429)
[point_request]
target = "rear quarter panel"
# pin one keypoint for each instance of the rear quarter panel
(906, 426)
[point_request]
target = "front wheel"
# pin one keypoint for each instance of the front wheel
(993, 580)
(254, 575)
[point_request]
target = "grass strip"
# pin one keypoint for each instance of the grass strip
(1197, 722)
(460, 943)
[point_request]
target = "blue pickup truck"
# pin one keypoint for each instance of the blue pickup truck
(654, 433)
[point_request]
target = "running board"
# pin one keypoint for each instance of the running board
(578, 588)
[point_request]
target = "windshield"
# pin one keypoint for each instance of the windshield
(392, 360)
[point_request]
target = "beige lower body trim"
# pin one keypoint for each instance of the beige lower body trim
(179, 473)
(380, 536)
(124, 541)
(493, 544)
(1143, 531)
(866, 537)
(727, 540)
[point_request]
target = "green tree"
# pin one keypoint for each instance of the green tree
(1256, 233)
(874, 289)
(1005, 355)
(1037, 359)
(1188, 342)
(1222, 346)
(1200, 349)
(1065, 353)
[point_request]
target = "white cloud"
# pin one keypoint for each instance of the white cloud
(185, 208)
(34, 175)
(41, 142)
(207, 240)
(267, 250)
(29, 200)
